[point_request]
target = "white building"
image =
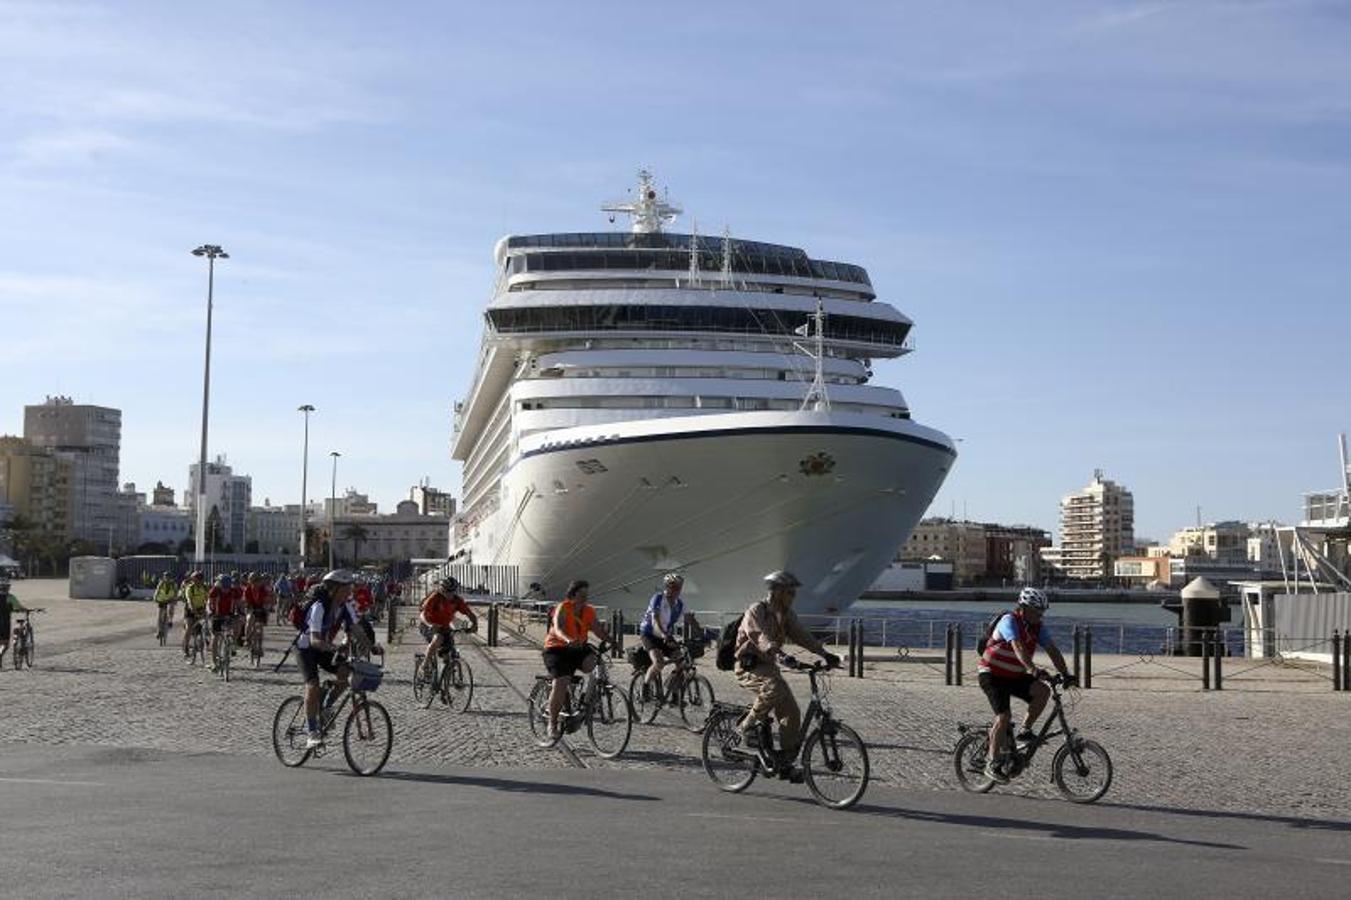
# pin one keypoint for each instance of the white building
(405, 535)
(168, 525)
(1225, 542)
(275, 529)
(229, 495)
(91, 437)
(432, 502)
(1097, 527)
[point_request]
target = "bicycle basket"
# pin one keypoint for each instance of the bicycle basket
(366, 676)
(639, 658)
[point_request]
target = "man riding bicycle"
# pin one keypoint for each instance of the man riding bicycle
(657, 631)
(435, 617)
(9, 604)
(194, 595)
(765, 627)
(326, 612)
(1006, 670)
(166, 595)
(257, 599)
(220, 601)
(565, 646)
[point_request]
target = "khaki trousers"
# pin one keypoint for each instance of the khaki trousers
(772, 694)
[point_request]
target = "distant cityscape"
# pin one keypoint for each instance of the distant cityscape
(60, 496)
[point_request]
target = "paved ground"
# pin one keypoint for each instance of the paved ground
(1261, 773)
(121, 823)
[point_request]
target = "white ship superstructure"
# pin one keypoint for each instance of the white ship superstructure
(649, 401)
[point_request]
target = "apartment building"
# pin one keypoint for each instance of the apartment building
(1097, 527)
(229, 496)
(36, 483)
(91, 436)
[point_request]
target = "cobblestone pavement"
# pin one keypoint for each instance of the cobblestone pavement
(101, 679)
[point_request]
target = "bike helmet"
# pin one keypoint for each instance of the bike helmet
(449, 584)
(673, 578)
(1033, 598)
(782, 579)
(338, 576)
(224, 580)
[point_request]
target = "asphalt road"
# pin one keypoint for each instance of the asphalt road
(115, 822)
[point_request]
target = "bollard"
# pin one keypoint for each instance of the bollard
(1088, 657)
(855, 648)
(1336, 660)
(493, 613)
(957, 655)
(1205, 660)
(1218, 655)
(1078, 652)
(1346, 660)
(947, 656)
(391, 626)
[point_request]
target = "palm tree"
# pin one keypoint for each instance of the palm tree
(356, 534)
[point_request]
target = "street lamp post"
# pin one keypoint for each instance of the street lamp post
(212, 252)
(333, 508)
(304, 486)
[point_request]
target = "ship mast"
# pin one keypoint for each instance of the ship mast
(816, 397)
(649, 212)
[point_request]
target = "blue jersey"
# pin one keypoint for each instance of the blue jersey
(1007, 630)
(670, 615)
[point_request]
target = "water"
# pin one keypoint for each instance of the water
(1117, 627)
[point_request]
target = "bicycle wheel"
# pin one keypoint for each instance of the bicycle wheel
(367, 737)
(643, 698)
(226, 653)
(969, 760)
(696, 702)
(1082, 770)
(256, 648)
(288, 732)
(537, 709)
(610, 722)
(430, 686)
(418, 685)
(835, 763)
(161, 630)
(731, 766)
(457, 685)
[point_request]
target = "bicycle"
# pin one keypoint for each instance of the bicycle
(23, 642)
(163, 623)
(594, 701)
(253, 638)
(449, 678)
(367, 733)
(223, 650)
(833, 757)
(1081, 769)
(683, 688)
(199, 639)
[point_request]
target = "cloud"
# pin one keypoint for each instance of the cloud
(71, 148)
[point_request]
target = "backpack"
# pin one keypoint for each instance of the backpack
(727, 644)
(299, 613)
(987, 632)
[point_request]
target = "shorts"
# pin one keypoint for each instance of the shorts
(651, 642)
(221, 623)
(5, 632)
(259, 614)
(563, 662)
(191, 614)
(312, 660)
(999, 690)
(443, 631)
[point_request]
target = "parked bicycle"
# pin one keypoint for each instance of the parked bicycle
(1080, 769)
(593, 701)
(367, 732)
(23, 640)
(449, 678)
(683, 688)
(833, 757)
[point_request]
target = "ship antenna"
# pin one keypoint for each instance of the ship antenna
(817, 397)
(694, 254)
(648, 211)
(726, 256)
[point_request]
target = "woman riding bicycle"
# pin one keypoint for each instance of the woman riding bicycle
(565, 647)
(435, 617)
(664, 612)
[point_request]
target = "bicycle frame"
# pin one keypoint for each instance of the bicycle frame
(1055, 720)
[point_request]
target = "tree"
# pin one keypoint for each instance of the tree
(356, 534)
(311, 544)
(215, 532)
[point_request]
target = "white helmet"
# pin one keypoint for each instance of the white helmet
(339, 576)
(1034, 598)
(674, 578)
(782, 579)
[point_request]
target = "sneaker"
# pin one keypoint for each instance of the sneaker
(791, 774)
(1026, 736)
(750, 737)
(992, 772)
(312, 740)
(555, 731)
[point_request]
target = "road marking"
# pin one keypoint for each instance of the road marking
(1021, 837)
(59, 781)
(1334, 862)
(743, 818)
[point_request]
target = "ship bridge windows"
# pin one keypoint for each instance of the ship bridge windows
(701, 402)
(655, 317)
(710, 262)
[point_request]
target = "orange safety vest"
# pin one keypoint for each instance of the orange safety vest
(566, 620)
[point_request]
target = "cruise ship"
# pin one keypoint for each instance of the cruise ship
(647, 401)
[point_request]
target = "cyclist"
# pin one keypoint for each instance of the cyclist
(326, 611)
(281, 589)
(765, 627)
(1005, 670)
(435, 616)
(166, 595)
(9, 604)
(565, 646)
(657, 630)
(220, 601)
(195, 596)
(257, 599)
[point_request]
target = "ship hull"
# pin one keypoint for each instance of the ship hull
(722, 499)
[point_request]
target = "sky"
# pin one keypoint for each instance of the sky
(1120, 228)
